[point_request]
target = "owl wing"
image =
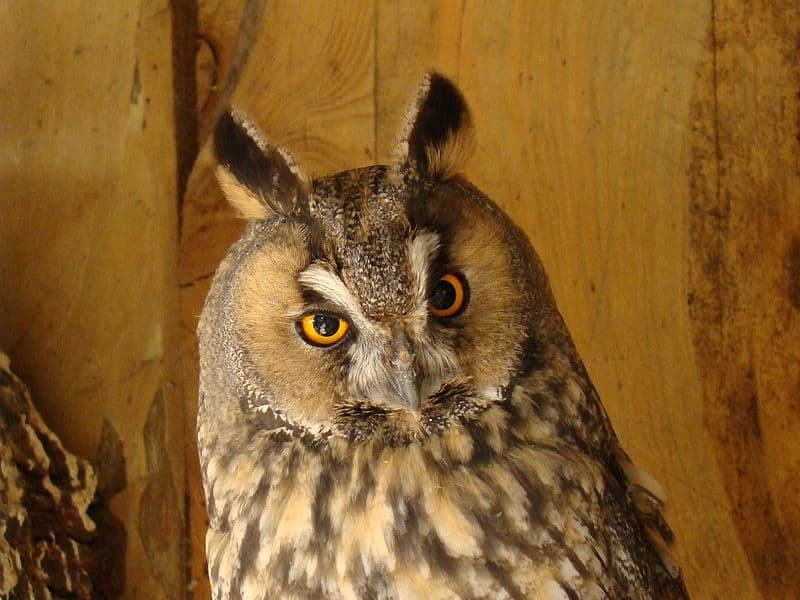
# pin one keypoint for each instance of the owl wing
(648, 500)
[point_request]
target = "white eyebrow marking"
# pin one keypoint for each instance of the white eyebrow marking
(327, 284)
(421, 250)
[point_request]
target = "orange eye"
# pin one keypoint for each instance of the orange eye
(448, 296)
(322, 330)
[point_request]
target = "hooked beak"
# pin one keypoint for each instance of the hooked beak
(405, 385)
(404, 376)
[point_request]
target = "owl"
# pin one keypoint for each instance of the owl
(391, 406)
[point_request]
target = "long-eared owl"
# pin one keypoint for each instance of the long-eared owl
(391, 406)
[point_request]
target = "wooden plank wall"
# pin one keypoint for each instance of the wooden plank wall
(88, 253)
(650, 150)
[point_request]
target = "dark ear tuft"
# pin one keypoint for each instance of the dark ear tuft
(260, 180)
(439, 136)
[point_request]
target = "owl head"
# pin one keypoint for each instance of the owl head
(383, 301)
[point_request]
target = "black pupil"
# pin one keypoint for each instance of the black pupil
(444, 295)
(325, 325)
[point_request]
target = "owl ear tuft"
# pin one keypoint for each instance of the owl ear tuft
(439, 136)
(260, 180)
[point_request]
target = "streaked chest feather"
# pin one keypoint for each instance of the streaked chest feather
(482, 511)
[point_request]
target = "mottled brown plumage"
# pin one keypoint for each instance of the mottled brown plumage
(418, 456)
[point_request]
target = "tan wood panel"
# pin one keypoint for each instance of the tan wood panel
(745, 278)
(87, 172)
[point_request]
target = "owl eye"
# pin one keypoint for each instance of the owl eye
(322, 330)
(448, 296)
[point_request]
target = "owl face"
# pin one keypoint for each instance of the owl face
(373, 302)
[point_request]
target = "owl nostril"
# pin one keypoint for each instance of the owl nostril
(403, 358)
(400, 353)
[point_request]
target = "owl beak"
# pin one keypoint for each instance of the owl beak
(405, 376)
(405, 384)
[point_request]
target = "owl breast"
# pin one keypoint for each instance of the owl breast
(484, 506)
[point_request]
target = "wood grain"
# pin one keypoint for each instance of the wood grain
(87, 169)
(744, 272)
